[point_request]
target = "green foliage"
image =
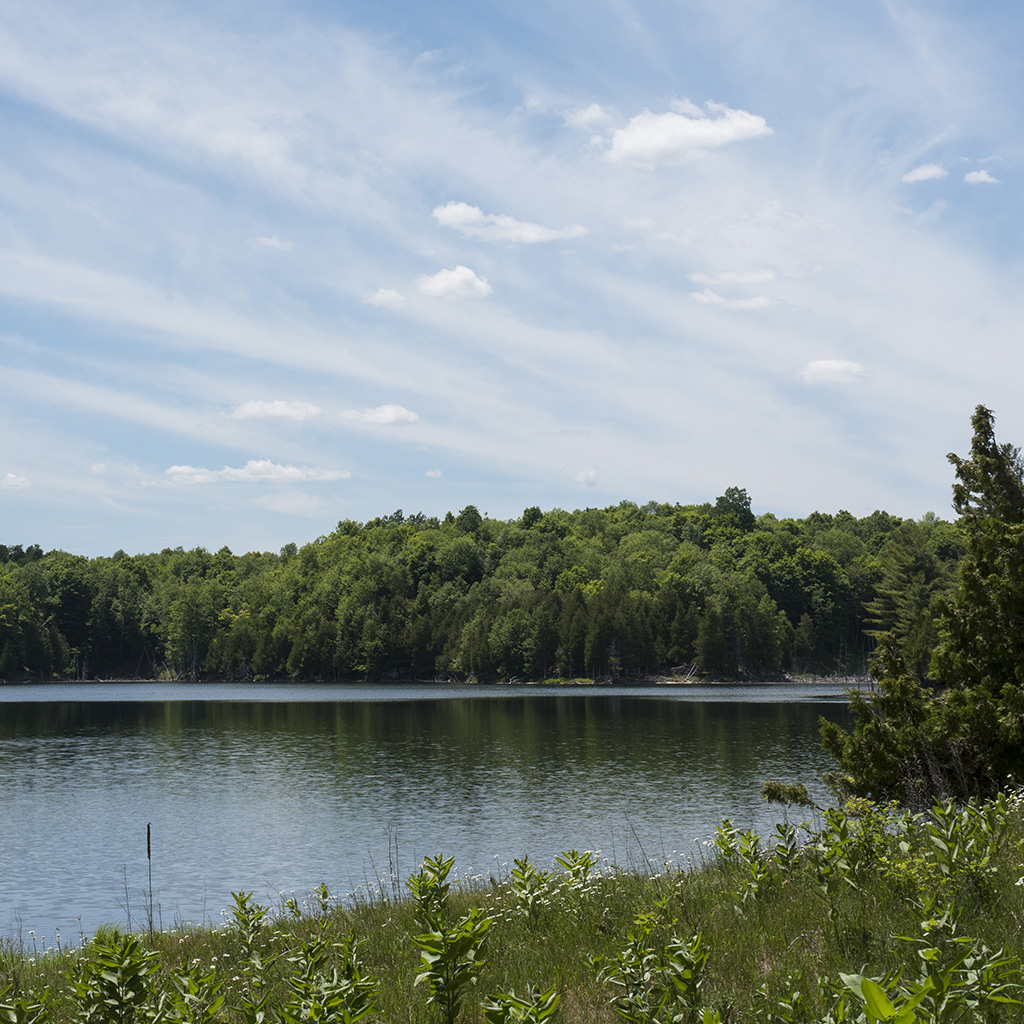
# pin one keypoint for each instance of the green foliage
(655, 982)
(430, 888)
(922, 920)
(113, 985)
(22, 1008)
(255, 995)
(328, 995)
(530, 885)
(625, 592)
(726, 840)
(450, 959)
(535, 1007)
(912, 743)
(196, 997)
(791, 794)
(904, 604)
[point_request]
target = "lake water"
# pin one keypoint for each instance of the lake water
(277, 788)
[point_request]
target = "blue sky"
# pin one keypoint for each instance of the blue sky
(265, 266)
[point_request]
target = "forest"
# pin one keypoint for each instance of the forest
(629, 592)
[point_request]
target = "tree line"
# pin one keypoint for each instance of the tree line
(625, 592)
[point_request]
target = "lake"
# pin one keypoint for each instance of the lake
(278, 788)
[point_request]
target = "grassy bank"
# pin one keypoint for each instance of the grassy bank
(780, 928)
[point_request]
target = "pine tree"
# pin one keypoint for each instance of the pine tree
(910, 744)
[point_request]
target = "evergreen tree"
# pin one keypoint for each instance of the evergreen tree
(911, 744)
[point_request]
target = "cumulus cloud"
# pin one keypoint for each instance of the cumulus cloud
(278, 410)
(734, 277)
(254, 469)
(710, 298)
(271, 242)
(435, 474)
(472, 222)
(386, 297)
(686, 131)
(980, 178)
(926, 172)
(13, 482)
(460, 283)
(381, 414)
(293, 503)
(832, 371)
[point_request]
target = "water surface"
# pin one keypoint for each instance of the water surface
(279, 788)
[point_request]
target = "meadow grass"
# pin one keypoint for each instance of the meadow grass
(925, 907)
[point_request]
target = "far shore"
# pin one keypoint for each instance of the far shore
(855, 682)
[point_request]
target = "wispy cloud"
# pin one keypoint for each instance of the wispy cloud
(275, 410)
(159, 319)
(14, 481)
(472, 222)
(832, 371)
(734, 277)
(926, 172)
(254, 470)
(655, 137)
(590, 116)
(460, 283)
(710, 298)
(388, 298)
(382, 414)
(272, 242)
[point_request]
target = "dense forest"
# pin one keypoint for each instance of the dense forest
(626, 592)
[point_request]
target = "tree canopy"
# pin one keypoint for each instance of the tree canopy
(625, 592)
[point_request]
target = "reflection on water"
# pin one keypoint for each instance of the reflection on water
(272, 795)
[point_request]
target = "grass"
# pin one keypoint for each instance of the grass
(929, 906)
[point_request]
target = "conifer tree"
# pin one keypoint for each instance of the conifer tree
(910, 744)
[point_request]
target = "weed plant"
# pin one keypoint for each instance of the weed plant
(870, 913)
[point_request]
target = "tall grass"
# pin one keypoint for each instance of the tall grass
(869, 913)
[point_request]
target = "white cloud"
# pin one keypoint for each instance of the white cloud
(926, 172)
(278, 410)
(254, 469)
(435, 474)
(293, 503)
(272, 242)
(587, 117)
(586, 477)
(381, 414)
(472, 222)
(13, 482)
(386, 297)
(734, 277)
(980, 178)
(98, 468)
(652, 137)
(459, 283)
(832, 371)
(710, 298)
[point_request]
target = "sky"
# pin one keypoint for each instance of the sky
(268, 266)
